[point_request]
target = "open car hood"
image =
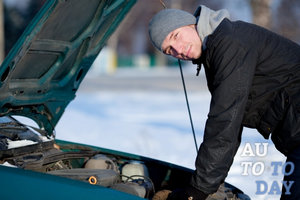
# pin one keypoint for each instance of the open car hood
(43, 71)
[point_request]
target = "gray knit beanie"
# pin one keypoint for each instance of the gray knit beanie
(165, 22)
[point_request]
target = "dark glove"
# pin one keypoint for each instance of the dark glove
(188, 193)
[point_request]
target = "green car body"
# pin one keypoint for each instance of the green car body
(20, 184)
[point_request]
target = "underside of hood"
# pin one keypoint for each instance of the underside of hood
(43, 71)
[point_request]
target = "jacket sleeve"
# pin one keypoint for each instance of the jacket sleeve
(230, 73)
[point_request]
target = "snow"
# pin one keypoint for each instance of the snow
(155, 123)
(19, 143)
(8, 165)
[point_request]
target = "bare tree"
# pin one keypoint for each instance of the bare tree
(287, 19)
(261, 10)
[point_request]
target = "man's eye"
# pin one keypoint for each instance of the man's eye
(167, 51)
(171, 51)
(175, 36)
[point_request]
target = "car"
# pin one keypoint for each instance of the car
(38, 79)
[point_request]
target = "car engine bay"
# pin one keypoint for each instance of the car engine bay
(26, 148)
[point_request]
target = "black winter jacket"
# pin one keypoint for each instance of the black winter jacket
(253, 76)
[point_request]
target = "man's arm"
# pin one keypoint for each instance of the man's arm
(231, 67)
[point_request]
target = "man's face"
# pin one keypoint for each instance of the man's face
(183, 43)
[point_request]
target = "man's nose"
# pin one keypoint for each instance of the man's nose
(178, 48)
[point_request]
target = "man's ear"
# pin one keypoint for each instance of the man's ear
(193, 26)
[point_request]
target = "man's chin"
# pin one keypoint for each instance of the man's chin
(185, 59)
(189, 59)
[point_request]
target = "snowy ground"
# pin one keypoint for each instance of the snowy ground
(144, 112)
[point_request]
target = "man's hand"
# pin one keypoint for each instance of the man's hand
(161, 195)
(188, 193)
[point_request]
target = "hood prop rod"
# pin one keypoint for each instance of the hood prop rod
(188, 106)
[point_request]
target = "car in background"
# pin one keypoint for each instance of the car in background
(38, 79)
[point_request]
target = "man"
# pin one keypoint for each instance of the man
(253, 76)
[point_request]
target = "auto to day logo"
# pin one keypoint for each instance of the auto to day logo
(258, 169)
